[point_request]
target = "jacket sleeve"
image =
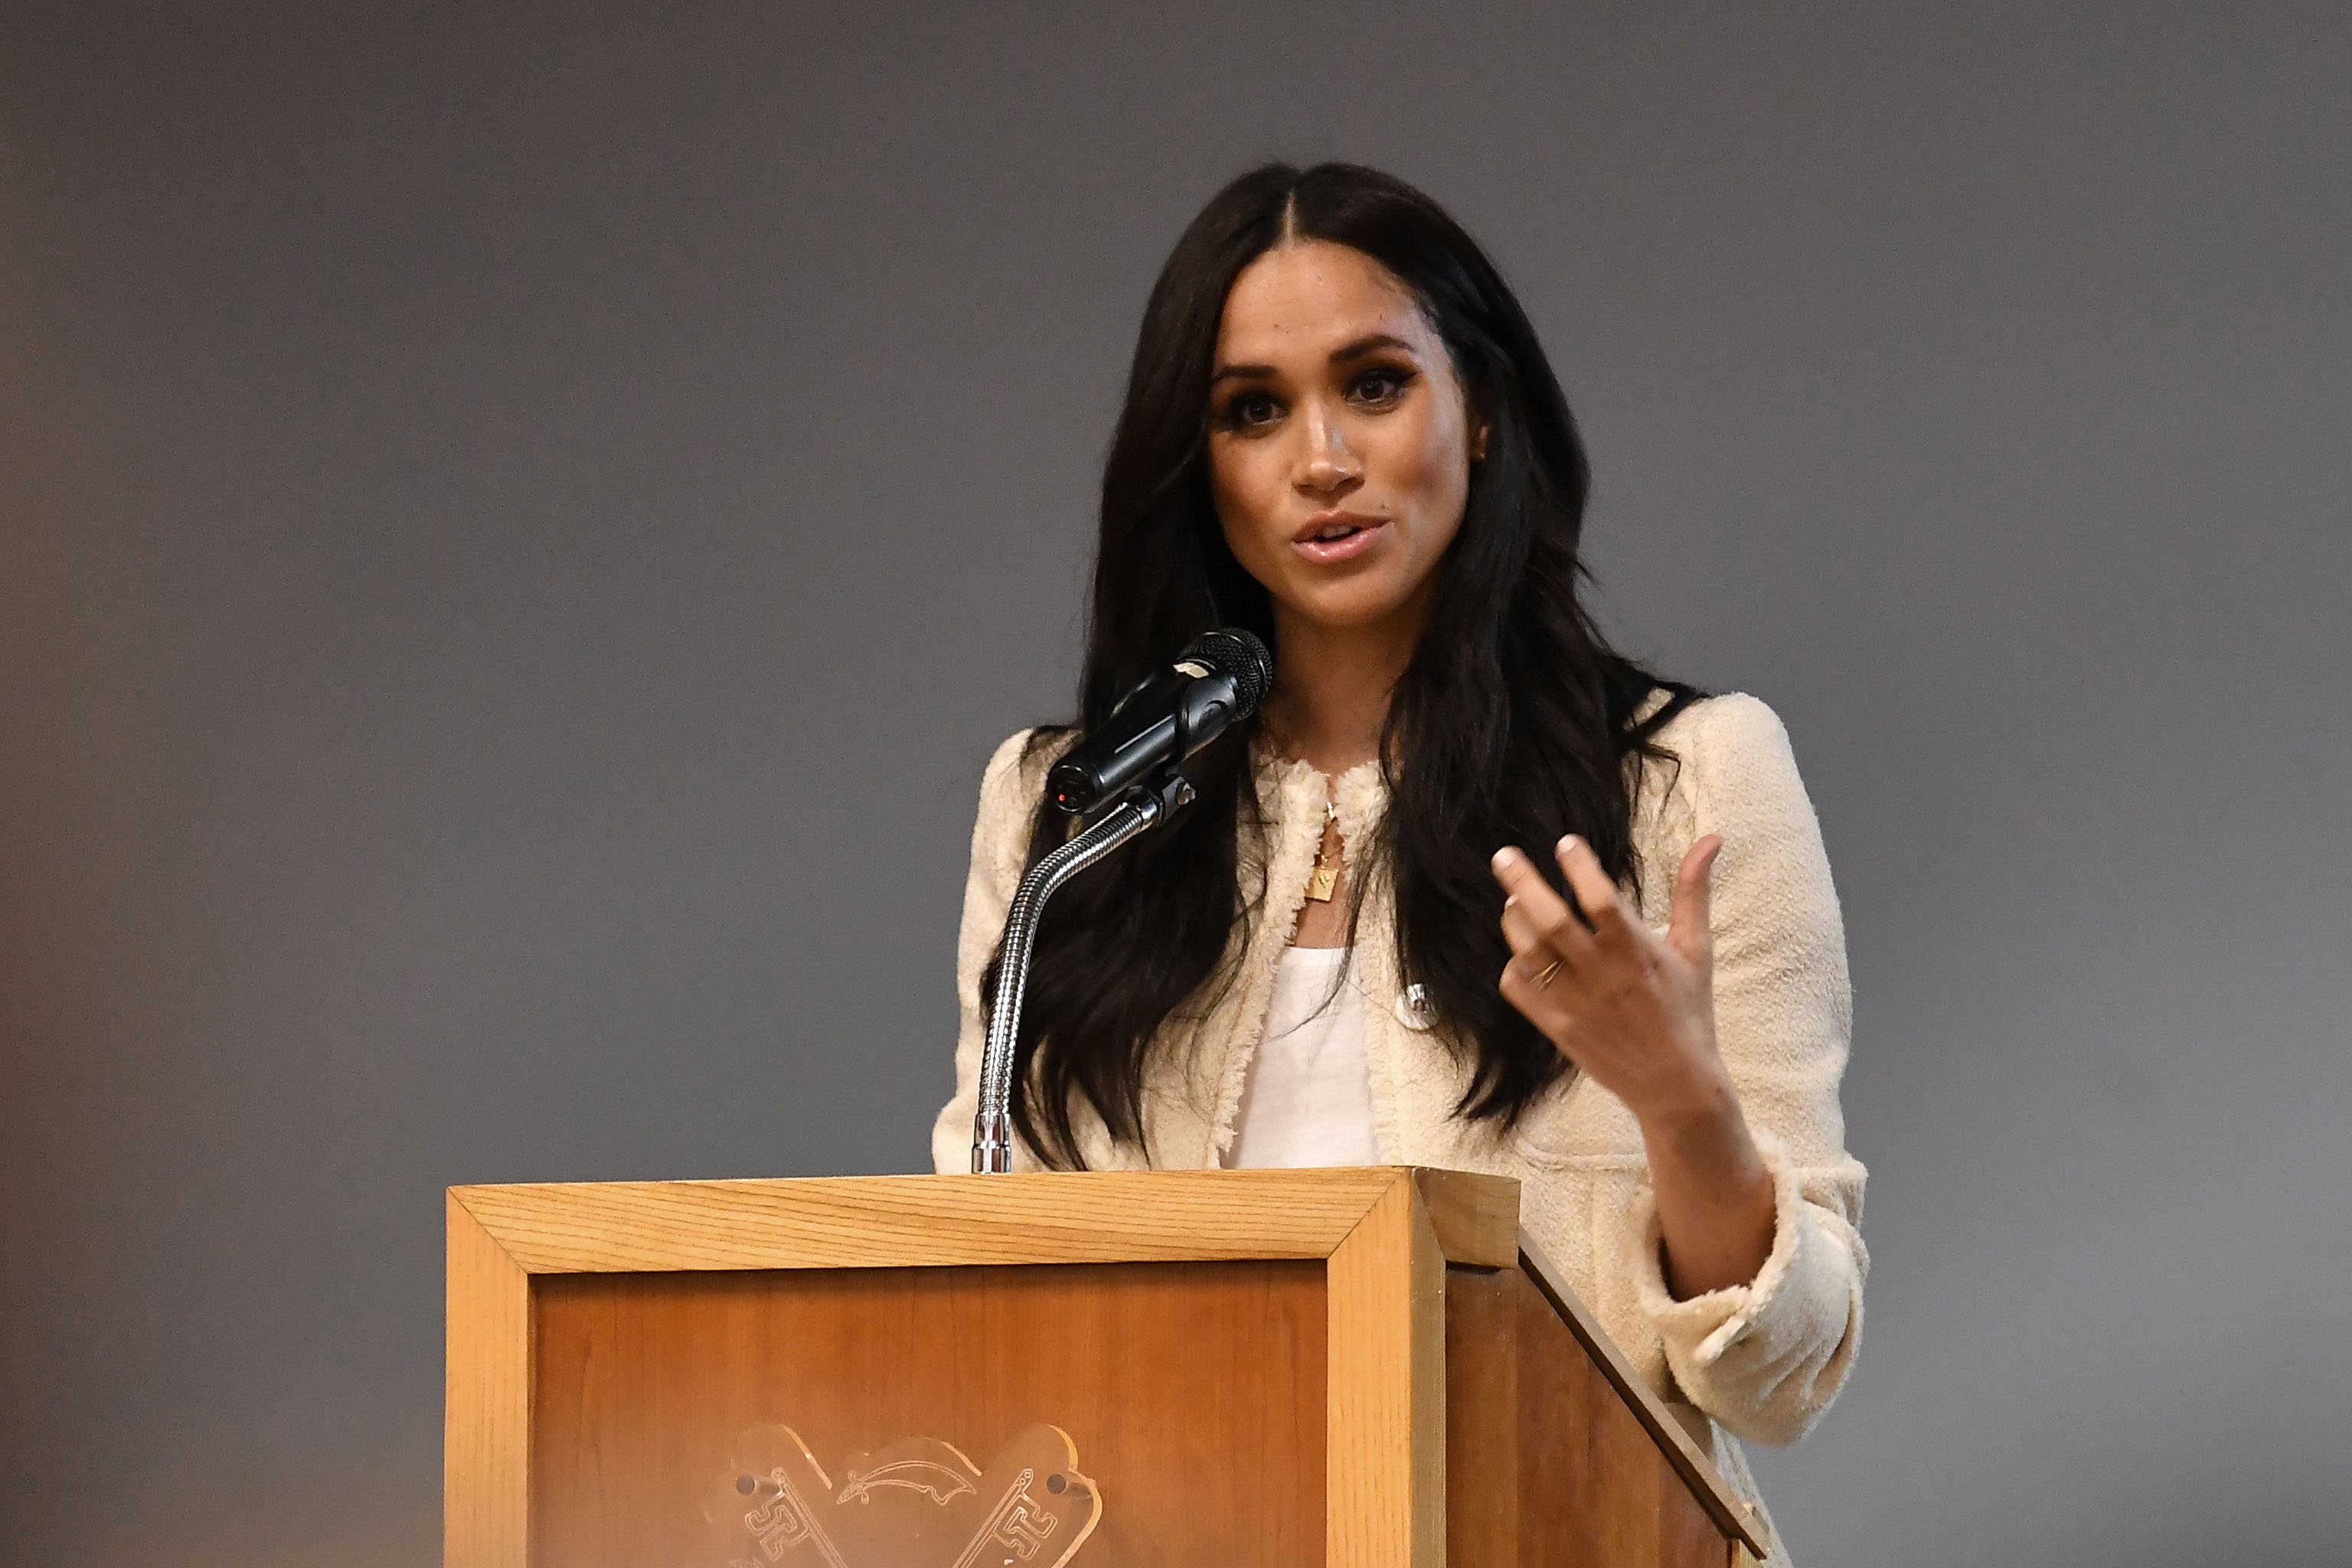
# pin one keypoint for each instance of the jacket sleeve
(1000, 843)
(1766, 1358)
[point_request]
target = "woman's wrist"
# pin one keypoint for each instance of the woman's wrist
(1713, 1192)
(1696, 1101)
(1702, 1130)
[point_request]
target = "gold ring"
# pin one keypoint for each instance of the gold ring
(1551, 972)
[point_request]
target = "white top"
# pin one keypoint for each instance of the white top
(1308, 1101)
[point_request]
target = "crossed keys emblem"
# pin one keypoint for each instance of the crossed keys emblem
(919, 1503)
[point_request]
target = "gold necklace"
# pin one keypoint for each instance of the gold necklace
(1324, 880)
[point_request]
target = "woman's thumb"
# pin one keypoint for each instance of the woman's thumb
(1694, 896)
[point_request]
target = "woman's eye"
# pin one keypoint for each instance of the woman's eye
(1382, 386)
(1248, 410)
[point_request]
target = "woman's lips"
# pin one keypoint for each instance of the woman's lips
(1347, 547)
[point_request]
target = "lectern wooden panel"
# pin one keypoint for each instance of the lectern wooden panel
(1270, 1368)
(1198, 1386)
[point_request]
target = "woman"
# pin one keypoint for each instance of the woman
(1342, 433)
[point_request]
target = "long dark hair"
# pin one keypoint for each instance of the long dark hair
(1513, 723)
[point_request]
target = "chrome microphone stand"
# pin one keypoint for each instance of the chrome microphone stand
(1139, 810)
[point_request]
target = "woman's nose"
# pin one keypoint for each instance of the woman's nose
(1329, 462)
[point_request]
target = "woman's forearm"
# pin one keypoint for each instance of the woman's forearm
(1716, 1206)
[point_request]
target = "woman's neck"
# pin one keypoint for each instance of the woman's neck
(1332, 687)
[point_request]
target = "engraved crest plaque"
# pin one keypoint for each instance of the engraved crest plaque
(917, 1503)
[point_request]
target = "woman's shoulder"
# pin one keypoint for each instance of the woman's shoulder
(1022, 760)
(1732, 763)
(1008, 763)
(1723, 727)
(1014, 780)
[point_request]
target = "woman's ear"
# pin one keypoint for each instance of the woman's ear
(1478, 441)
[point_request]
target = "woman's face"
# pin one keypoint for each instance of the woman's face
(1339, 439)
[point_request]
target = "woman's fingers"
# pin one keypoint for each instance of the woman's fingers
(1625, 1004)
(1519, 931)
(1538, 909)
(1520, 989)
(1596, 894)
(1528, 950)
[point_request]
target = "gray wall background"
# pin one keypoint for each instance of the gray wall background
(519, 527)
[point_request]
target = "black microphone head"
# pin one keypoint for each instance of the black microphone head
(1229, 651)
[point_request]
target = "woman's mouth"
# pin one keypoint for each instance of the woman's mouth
(1326, 539)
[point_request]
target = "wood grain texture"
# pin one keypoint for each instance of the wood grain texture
(1689, 1460)
(926, 1221)
(1596, 1489)
(1477, 1217)
(869, 1222)
(1482, 1418)
(1385, 1486)
(1194, 1393)
(485, 1409)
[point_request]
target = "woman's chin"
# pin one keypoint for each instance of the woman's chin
(1355, 606)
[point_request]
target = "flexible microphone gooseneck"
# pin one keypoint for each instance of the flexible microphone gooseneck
(1131, 758)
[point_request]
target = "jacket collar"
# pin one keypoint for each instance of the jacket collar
(1291, 793)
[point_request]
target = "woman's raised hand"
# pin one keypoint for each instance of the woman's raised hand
(1633, 1010)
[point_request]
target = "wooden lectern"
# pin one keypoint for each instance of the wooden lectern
(1214, 1369)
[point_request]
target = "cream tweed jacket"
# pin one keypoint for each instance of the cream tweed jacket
(1759, 1361)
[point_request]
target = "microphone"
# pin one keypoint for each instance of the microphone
(1219, 678)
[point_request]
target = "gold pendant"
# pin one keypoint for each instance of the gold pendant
(1324, 880)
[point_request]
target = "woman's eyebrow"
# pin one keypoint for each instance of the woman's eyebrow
(1242, 373)
(1365, 346)
(1340, 355)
